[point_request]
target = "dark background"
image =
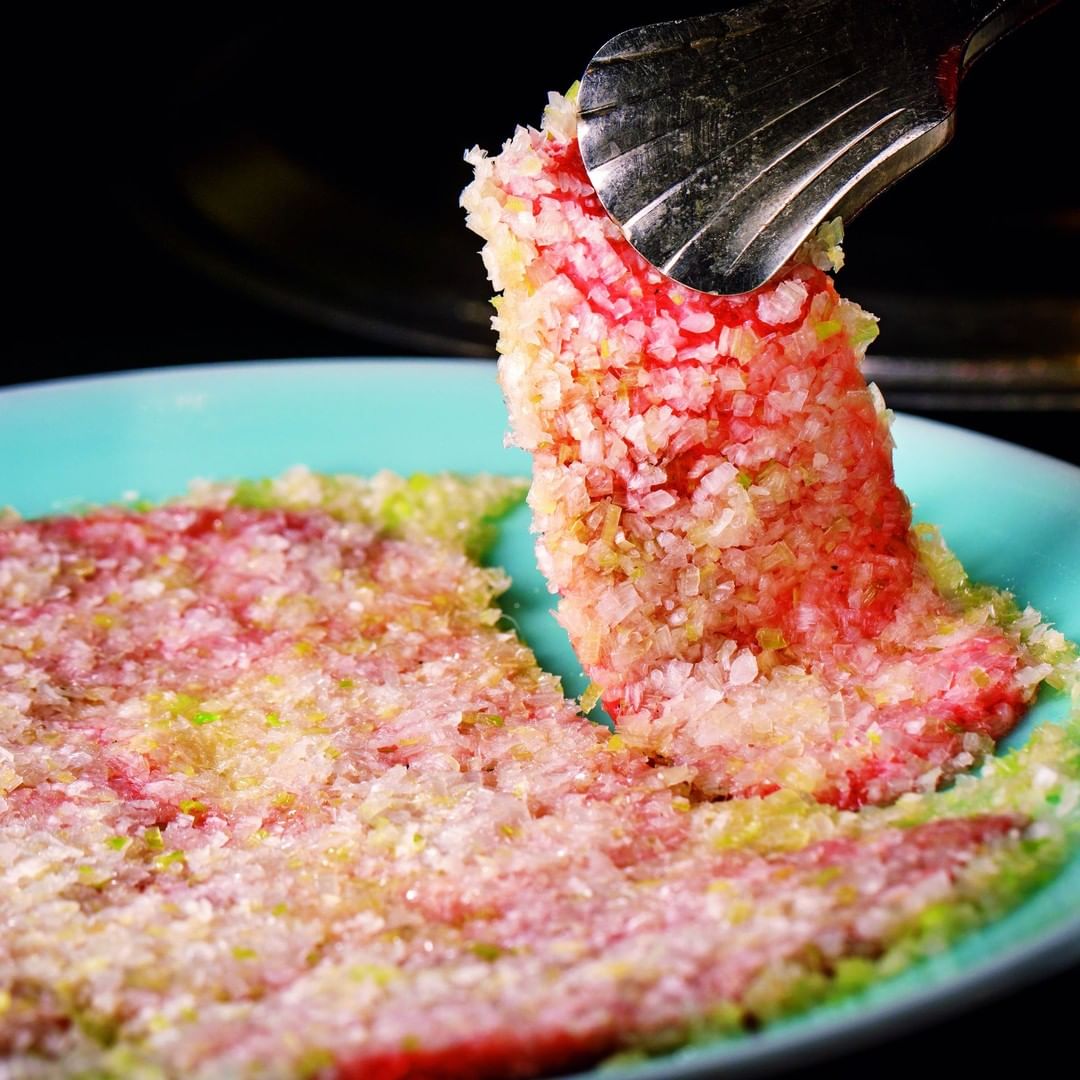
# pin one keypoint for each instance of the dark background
(216, 187)
(208, 184)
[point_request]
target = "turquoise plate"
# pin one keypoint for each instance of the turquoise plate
(1013, 517)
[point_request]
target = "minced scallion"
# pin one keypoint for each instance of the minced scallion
(590, 697)
(488, 951)
(770, 638)
(170, 859)
(468, 719)
(866, 330)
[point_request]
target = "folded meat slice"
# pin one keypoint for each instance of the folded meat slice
(714, 496)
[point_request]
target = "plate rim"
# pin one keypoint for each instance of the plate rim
(475, 364)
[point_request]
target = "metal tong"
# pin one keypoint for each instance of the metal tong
(719, 143)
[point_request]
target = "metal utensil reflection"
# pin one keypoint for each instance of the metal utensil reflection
(720, 142)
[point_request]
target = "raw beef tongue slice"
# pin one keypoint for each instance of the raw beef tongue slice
(714, 496)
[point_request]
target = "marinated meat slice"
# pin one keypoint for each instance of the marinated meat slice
(280, 799)
(714, 495)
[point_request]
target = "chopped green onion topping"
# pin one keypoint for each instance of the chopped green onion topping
(254, 494)
(314, 1060)
(589, 697)
(486, 719)
(380, 974)
(865, 332)
(487, 950)
(183, 704)
(770, 638)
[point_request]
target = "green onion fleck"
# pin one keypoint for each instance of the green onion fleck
(254, 494)
(163, 862)
(313, 1060)
(486, 719)
(487, 950)
(769, 638)
(589, 697)
(865, 332)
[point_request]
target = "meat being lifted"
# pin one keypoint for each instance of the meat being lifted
(714, 495)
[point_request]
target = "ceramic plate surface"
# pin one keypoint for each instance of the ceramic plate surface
(1012, 516)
